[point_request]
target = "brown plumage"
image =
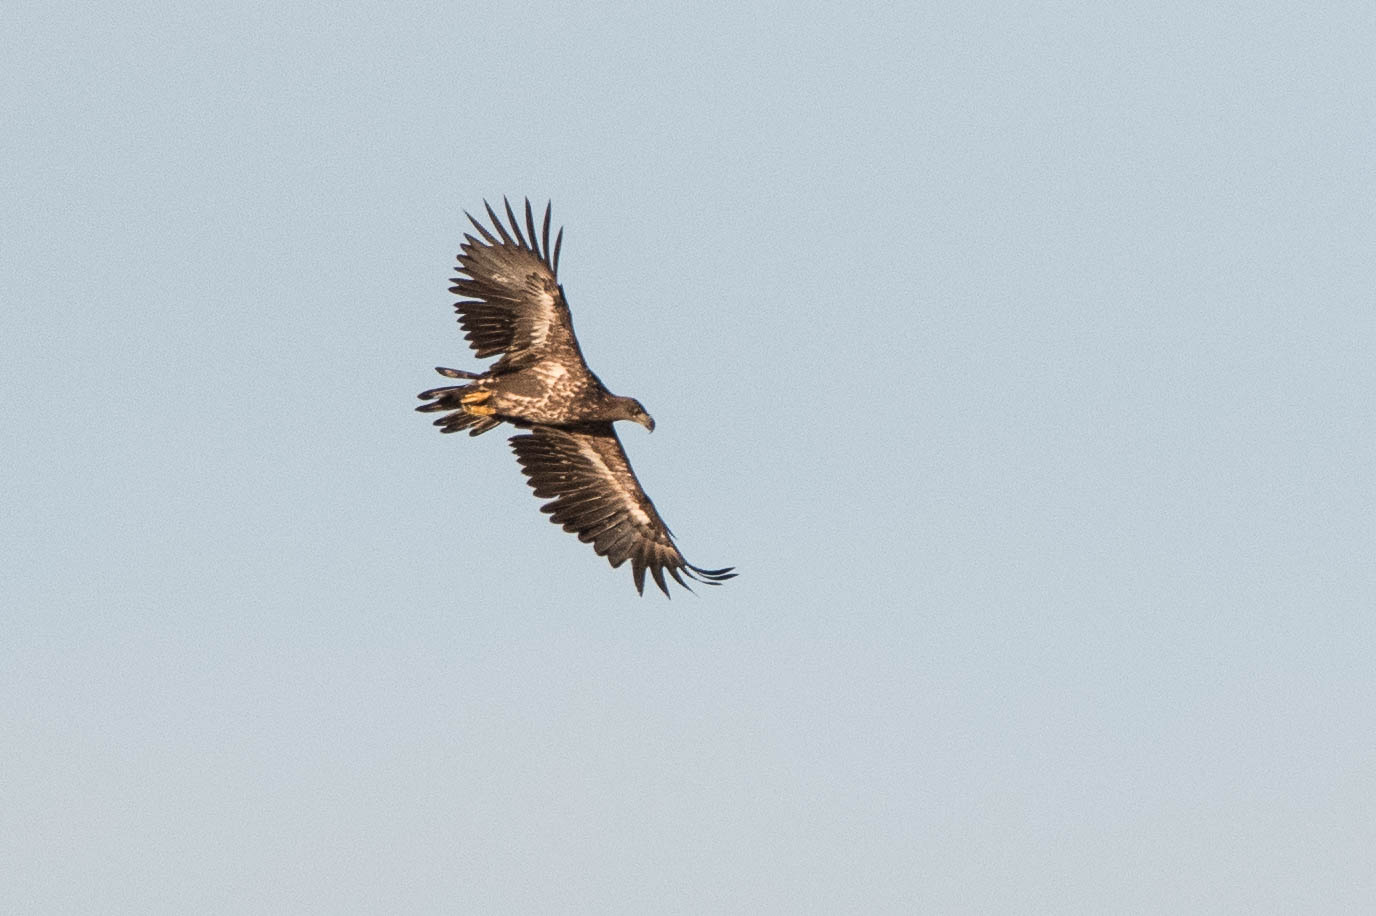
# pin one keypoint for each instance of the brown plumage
(513, 305)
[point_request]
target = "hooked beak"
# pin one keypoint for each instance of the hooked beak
(646, 421)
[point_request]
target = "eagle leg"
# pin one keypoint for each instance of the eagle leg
(473, 402)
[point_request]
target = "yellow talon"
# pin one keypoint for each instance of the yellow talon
(476, 397)
(479, 410)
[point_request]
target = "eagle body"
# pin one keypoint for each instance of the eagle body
(547, 393)
(514, 306)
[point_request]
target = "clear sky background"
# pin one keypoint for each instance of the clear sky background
(1019, 355)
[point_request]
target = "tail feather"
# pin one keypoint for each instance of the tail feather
(457, 422)
(435, 394)
(450, 398)
(456, 373)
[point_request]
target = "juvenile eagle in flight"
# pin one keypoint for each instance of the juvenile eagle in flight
(512, 305)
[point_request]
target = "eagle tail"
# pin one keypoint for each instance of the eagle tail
(460, 401)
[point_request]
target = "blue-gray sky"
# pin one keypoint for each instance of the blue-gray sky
(1020, 356)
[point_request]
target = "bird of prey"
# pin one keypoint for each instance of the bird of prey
(511, 304)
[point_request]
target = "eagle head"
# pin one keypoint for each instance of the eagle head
(636, 413)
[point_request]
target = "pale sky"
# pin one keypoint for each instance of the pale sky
(1020, 356)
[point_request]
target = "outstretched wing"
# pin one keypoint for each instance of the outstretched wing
(512, 303)
(596, 495)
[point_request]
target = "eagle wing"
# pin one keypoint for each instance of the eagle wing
(512, 302)
(596, 495)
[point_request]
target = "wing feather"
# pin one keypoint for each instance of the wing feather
(596, 496)
(482, 230)
(545, 229)
(497, 222)
(515, 225)
(512, 304)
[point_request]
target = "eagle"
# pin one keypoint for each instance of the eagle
(512, 305)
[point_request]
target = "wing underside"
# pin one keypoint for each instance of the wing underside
(511, 302)
(594, 493)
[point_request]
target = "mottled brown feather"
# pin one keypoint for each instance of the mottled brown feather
(511, 302)
(596, 496)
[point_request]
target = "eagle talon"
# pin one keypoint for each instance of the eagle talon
(479, 410)
(476, 397)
